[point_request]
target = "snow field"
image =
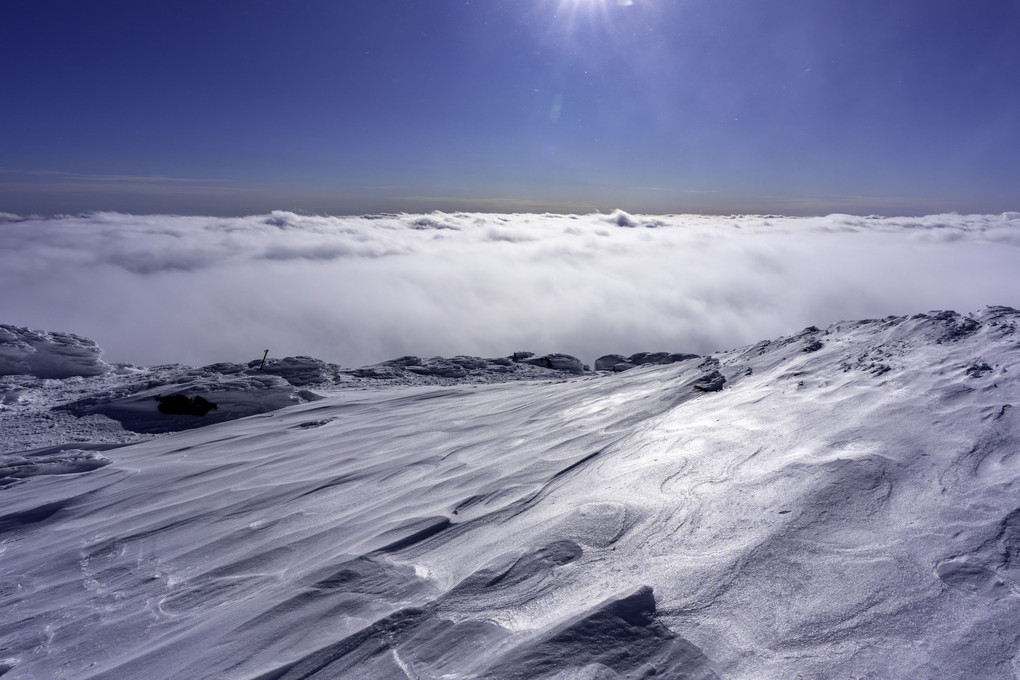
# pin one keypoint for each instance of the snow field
(845, 506)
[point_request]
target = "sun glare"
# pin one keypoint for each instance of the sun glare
(588, 5)
(596, 3)
(589, 11)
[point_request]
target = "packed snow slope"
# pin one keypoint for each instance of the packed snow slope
(840, 503)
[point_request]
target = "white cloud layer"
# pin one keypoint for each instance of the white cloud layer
(357, 290)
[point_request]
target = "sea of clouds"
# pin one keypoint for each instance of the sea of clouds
(357, 290)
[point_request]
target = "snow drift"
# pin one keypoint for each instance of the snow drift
(841, 502)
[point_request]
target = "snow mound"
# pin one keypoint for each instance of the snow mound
(48, 355)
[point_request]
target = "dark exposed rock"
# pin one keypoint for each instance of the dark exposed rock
(813, 346)
(950, 326)
(610, 361)
(977, 369)
(709, 382)
(180, 405)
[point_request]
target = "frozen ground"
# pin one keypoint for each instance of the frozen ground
(839, 503)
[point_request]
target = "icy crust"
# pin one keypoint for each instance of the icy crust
(48, 355)
(840, 502)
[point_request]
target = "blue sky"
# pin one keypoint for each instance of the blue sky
(716, 106)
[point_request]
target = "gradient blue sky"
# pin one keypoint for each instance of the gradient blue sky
(717, 106)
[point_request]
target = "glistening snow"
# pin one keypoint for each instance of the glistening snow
(842, 503)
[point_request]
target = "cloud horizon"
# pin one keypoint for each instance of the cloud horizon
(153, 289)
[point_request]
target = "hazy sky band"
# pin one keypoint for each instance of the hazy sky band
(718, 106)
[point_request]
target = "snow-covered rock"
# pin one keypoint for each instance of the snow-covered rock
(48, 355)
(618, 362)
(444, 370)
(298, 371)
(556, 362)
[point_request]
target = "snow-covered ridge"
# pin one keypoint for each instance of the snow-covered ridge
(840, 502)
(54, 386)
(32, 363)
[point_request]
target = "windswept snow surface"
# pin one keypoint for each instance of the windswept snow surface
(840, 503)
